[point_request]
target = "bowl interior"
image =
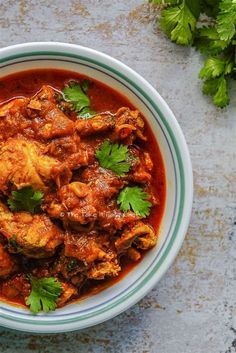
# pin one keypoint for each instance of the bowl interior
(136, 283)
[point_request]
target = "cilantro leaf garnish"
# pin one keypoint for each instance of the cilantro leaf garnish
(86, 113)
(85, 85)
(76, 94)
(135, 199)
(26, 199)
(114, 157)
(179, 20)
(44, 293)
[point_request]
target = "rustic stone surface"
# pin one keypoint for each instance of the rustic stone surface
(193, 308)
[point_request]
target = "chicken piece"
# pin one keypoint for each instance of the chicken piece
(75, 204)
(102, 270)
(146, 238)
(104, 182)
(7, 263)
(68, 267)
(18, 286)
(90, 254)
(63, 147)
(68, 291)
(141, 166)
(53, 122)
(84, 156)
(112, 219)
(62, 172)
(34, 236)
(140, 234)
(86, 247)
(13, 118)
(12, 106)
(22, 163)
(83, 202)
(35, 117)
(133, 254)
(128, 126)
(98, 124)
(72, 154)
(141, 172)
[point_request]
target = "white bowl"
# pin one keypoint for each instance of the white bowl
(137, 283)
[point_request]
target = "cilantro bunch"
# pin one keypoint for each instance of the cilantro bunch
(179, 19)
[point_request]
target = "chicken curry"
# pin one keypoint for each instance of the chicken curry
(82, 188)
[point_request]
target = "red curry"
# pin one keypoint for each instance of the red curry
(80, 236)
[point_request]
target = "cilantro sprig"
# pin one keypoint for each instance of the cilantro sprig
(135, 199)
(76, 94)
(26, 199)
(44, 293)
(226, 19)
(180, 21)
(114, 157)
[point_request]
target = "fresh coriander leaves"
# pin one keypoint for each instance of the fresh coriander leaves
(114, 157)
(179, 21)
(214, 72)
(179, 24)
(44, 293)
(76, 94)
(26, 199)
(212, 68)
(226, 19)
(135, 199)
(210, 7)
(208, 41)
(218, 89)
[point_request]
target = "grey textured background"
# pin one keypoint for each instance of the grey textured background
(193, 308)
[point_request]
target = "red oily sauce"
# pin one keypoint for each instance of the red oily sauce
(103, 99)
